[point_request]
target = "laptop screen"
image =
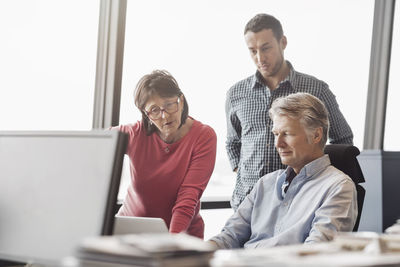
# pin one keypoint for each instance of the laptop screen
(124, 225)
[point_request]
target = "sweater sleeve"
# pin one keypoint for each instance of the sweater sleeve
(195, 181)
(132, 130)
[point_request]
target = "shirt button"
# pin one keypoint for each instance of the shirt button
(285, 204)
(166, 150)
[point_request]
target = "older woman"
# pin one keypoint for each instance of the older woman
(171, 156)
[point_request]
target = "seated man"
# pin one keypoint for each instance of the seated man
(309, 201)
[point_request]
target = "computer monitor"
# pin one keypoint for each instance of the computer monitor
(56, 188)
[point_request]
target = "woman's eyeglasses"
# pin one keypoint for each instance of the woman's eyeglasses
(156, 112)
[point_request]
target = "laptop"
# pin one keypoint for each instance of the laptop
(124, 225)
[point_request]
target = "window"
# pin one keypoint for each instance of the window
(392, 140)
(201, 43)
(48, 62)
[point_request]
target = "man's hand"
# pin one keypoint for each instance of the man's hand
(213, 243)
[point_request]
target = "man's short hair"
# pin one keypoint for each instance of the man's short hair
(311, 112)
(264, 22)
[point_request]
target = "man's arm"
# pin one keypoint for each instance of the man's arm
(339, 130)
(338, 213)
(234, 130)
(237, 230)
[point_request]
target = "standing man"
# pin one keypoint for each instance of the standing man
(250, 142)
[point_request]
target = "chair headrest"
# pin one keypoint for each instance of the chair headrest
(344, 157)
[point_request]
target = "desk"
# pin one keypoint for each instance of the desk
(364, 249)
(302, 256)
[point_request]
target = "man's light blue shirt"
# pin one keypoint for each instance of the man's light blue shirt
(320, 201)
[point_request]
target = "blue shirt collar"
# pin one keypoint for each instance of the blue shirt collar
(315, 166)
(308, 171)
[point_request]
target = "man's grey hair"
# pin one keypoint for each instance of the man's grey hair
(311, 112)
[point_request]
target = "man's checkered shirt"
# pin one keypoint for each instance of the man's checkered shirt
(250, 142)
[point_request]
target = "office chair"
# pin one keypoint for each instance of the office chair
(344, 157)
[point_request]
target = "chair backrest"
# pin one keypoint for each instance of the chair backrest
(344, 157)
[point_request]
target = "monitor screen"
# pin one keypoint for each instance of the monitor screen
(56, 189)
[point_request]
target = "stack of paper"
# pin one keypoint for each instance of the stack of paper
(144, 250)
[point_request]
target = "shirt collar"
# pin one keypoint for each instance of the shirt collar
(308, 171)
(315, 166)
(291, 78)
(257, 80)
